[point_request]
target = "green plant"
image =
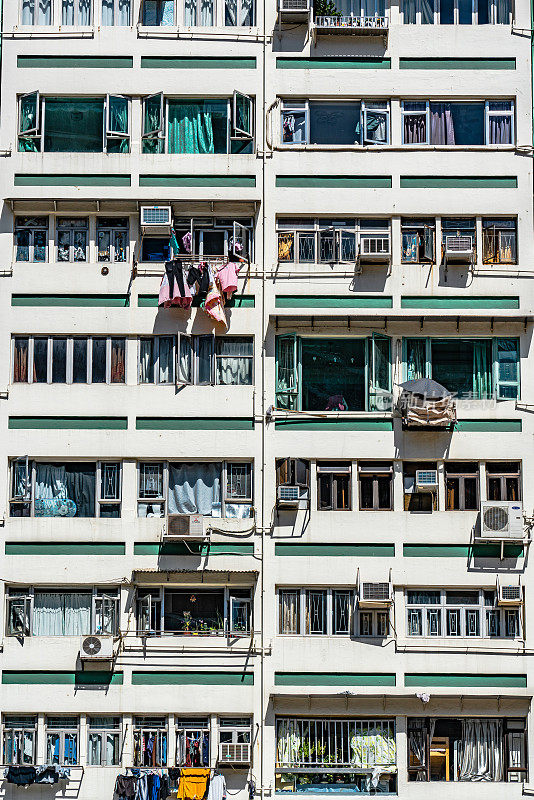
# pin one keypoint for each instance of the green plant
(326, 8)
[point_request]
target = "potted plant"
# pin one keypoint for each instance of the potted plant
(187, 623)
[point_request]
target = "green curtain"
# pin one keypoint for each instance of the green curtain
(74, 125)
(190, 128)
(29, 145)
(415, 359)
(481, 371)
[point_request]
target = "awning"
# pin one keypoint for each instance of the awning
(315, 319)
(28, 205)
(192, 577)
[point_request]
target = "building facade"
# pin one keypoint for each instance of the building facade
(309, 577)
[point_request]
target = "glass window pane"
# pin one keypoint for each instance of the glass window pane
(205, 350)
(118, 114)
(120, 244)
(335, 123)
(446, 12)
(166, 359)
(465, 12)
(63, 246)
(20, 359)
(104, 245)
(74, 125)
(22, 243)
(293, 127)
(80, 245)
(59, 360)
(79, 361)
(99, 361)
(40, 360)
(118, 360)
(40, 239)
(146, 361)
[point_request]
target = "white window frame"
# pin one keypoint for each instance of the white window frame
(31, 133)
(102, 732)
(189, 728)
(377, 628)
(109, 501)
(141, 726)
(463, 610)
(167, 27)
(238, 133)
(72, 230)
(295, 107)
(366, 106)
(112, 230)
(425, 113)
(488, 113)
(18, 732)
(31, 230)
(318, 228)
(158, 134)
(456, 14)
(62, 733)
(329, 610)
(155, 360)
(69, 358)
(109, 133)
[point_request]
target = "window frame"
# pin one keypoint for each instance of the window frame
(330, 626)
(72, 229)
(502, 476)
(69, 358)
(160, 733)
(77, 12)
(116, 15)
(63, 732)
(456, 15)
(496, 232)
(461, 610)
(18, 732)
(190, 728)
(102, 732)
(372, 470)
(31, 230)
(334, 471)
(112, 230)
(377, 629)
(156, 372)
(461, 476)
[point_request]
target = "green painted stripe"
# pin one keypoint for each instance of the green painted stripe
(488, 425)
(246, 181)
(65, 548)
(458, 182)
(334, 679)
(75, 62)
(237, 301)
(333, 63)
(459, 679)
(333, 181)
(461, 550)
(192, 548)
(333, 301)
(72, 300)
(459, 302)
(26, 179)
(78, 678)
(194, 424)
(69, 423)
(373, 550)
(334, 424)
(203, 678)
(457, 63)
(202, 62)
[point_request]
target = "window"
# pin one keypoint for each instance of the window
(331, 241)
(418, 240)
(72, 612)
(219, 360)
(472, 368)
(31, 239)
(112, 239)
(62, 740)
(216, 237)
(193, 742)
(103, 742)
(85, 489)
(80, 359)
(150, 742)
(503, 480)
(376, 486)
(20, 740)
(458, 123)
(76, 12)
(36, 12)
(461, 483)
(156, 359)
(74, 124)
(415, 498)
(459, 613)
(116, 12)
(499, 241)
(234, 730)
(211, 488)
(294, 472)
(334, 374)
(335, 123)
(466, 748)
(373, 624)
(199, 611)
(149, 611)
(312, 612)
(158, 12)
(72, 239)
(198, 125)
(334, 486)
(330, 752)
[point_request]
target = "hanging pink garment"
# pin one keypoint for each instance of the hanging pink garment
(181, 293)
(214, 305)
(227, 277)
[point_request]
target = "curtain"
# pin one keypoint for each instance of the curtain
(288, 744)
(83, 16)
(481, 372)
(441, 124)
(107, 19)
(408, 12)
(146, 361)
(373, 747)
(377, 126)
(20, 366)
(239, 12)
(123, 12)
(95, 749)
(65, 490)
(190, 127)
(166, 359)
(36, 12)
(74, 125)
(415, 359)
(503, 12)
(61, 614)
(194, 489)
(117, 361)
(234, 362)
(415, 128)
(500, 129)
(427, 12)
(289, 602)
(480, 757)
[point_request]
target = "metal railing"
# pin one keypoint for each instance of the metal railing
(353, 23)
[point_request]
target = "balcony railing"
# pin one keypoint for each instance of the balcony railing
(352, 24)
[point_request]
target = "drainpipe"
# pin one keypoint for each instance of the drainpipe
(263, 420)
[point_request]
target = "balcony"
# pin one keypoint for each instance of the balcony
(351, 25)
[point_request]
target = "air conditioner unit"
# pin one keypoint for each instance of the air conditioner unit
(96, 648)
(291, 496)
(183, 526)
(501, 520)
(156, 219)
(375, 594)
(426, 480)
(374, 248)
(294, 6)
(458, 246)
(234, 753)
(510, 596)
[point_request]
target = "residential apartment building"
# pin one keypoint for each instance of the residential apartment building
(233, 539)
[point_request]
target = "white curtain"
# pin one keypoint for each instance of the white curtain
(50, 482)
(146, 361)
(288, 750)
(95, 749)
(480, 756)
(195, 489)
(36, 12)
(61, 614)
(123, 12)
(166, 358)
(107, 19)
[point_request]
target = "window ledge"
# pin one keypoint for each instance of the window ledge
(282, 414)
(52, 30)
(472, 148)
(232, 31)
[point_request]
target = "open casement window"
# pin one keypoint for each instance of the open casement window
(429, 249)
(287, 383)
(506, 368)
(240, 612)
(379, 356)
(18, 619)
(293, 472)
(153, 133)
(240, 242)
(149, 610)
(242, 116)
(29, 122)
(375, 121)
(19, 740)
(117, 124)
(106, 613)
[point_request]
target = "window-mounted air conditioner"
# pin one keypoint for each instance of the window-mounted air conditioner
(375, 248)
(156, 219)
(294, 6)
(183, 526)
(375, 594)
(96, 648)
(234, 753)
(426, 480)
(501, 520)
(459, 246)
(510, 595)
(291, 496)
